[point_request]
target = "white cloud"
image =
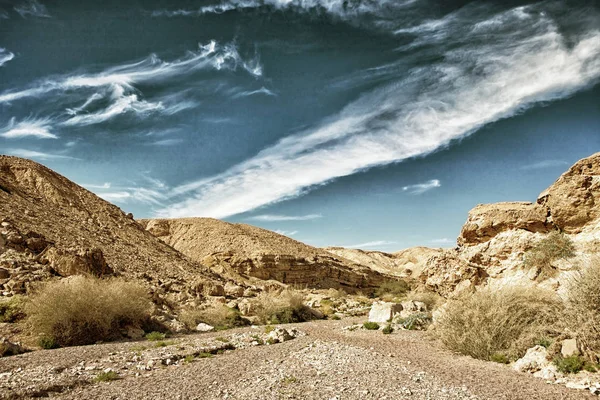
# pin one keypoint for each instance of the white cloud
(443, 241)
(32, 8)
(272, 218)
(36, 154)
(545, 164)
(373, 244)
(285, 233)
(421, 188)
(28, 128)
(483, 76)
(167, 142)
(105, 185)
(150, 192)
(5, 56)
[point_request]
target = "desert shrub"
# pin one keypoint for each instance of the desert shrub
(217, 315)
(83, 310)
(47, 343)
(507, 321)
(282, 307)
(582, 316)
(107, 376)
(155, 336)
(499, 358)
(11, 310)
(372, 326)
(431, 299)
(387, 330)
(418, 321)
(569, 365)
(553, 247)
(544, 341)
(392, 289)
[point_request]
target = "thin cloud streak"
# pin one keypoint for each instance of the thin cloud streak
(544, 164)
(28, 128)
(24, 153)
(476, 83)
(421, 188)
(276, 218)
(373, 244)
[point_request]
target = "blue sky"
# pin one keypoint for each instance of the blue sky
(372, 124)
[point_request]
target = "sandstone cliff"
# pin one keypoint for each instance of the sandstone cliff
(496, 237)
(244, 252)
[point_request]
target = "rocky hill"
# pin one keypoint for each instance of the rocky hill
(407, 263)
(496, 238)
(244, 252)
(51, 226)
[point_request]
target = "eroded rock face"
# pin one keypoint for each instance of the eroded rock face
(77, 262)
(488, 220)
(574, 199)
(448, 274)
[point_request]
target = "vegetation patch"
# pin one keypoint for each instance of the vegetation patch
(569, 365)
(83, 310)
(217, 315)
(490, 322)
(372, 326)
(12, 310)
(155, 336)
(414, 322)
(392, 289)
(554, 246)
(387, 330)
(283, 307)
(107, 376)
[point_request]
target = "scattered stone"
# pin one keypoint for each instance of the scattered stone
(534, 360)
(202, 327)
(382, 311)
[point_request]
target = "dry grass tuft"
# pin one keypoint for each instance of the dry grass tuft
(554, 246)
(582, 316)
(83, 310)
(217, 315)
(284, 307)
(492, 322)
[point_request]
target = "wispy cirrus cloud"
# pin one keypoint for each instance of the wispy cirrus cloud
(32, 8)
(38, 155)
(277, 217)
(285, 233)
(148, 190)
(487, 71)
(5, 56)
(421, 188)
(545, 164)
(372, 244)
(38, 128)
(443, 241)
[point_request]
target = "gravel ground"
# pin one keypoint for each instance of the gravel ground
(327, 363)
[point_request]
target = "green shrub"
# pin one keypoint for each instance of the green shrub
(553, 247)
(83, 310)
(47, 343)
(415, 322)
(282, 307)
(387, 330)
(500, 358)
(205, 355)
(107, 376)
(372, 326)
(12, 310)
(189, 358)
(507, 321)
(569, 365)
(544, 342)
(392, 288)
(217, 315)
(155, 336)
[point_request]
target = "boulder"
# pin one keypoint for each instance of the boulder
(280, 335)
(233, 290)
(382, 311)
(569, 348)
(202, 327)
(534, 360)
(8, 348)
(77, 262)
(487, 220)
(133, 332)
(574, 199)
(412, 307)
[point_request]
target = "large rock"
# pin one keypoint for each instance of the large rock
(77, 262)
(382, 312)
(574, 199)
(448, 274)
(569, 348)
(534, 360)
(488, 220)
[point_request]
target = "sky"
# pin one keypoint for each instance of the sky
(375, 124)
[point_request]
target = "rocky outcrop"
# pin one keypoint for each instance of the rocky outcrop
(250, 254)
(496, 237)
(574, 199)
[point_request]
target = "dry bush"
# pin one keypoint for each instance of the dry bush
(554, 246)
(83, 310)
(217, 315)
(431, 299)
(282, 307)
(582, 316)
(503, 321)
(11, 310)
(392, 289)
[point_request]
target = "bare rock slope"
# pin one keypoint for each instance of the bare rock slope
(495, 238)
(247, 252)
(50, 221)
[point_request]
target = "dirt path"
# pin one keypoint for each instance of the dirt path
(327, 363)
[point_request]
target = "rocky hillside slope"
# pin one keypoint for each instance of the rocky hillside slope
(495, 239)
(249, 253)
(408, 263)
(51, 226)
